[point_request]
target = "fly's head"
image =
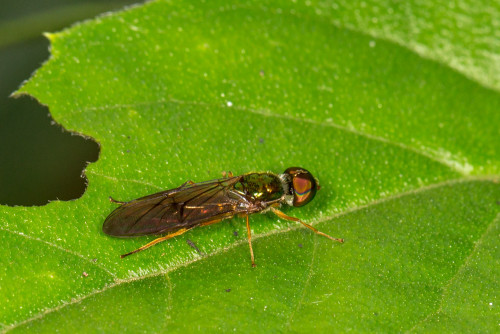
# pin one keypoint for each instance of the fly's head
(300, 186)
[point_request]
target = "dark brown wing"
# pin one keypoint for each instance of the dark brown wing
(171, 210)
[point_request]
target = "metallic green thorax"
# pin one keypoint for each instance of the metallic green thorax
(260, 186)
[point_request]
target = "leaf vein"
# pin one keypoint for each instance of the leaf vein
(459, 272)
(443, 159)
(61, 249)
(124, 180)
(305, 286)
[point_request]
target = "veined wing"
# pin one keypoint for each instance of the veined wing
(171, 210)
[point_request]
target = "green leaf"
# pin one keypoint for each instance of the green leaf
(406, 151)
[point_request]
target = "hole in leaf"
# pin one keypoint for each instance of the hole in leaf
(40, 161)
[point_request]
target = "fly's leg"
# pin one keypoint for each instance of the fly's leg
(112, 200)
(228, 174)
(250, 243)
(169, 236)
(154, 242)
(188, 182)
(284, 216)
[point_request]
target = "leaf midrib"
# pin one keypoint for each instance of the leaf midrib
(119, 282)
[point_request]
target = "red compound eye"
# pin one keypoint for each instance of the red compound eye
(303, 185)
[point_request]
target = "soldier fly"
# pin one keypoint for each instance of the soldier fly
(176, 211)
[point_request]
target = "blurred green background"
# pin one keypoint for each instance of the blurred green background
(39, 160)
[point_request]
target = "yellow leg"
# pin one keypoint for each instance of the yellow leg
(169, 236)
(228, 174)
(188, 182)
(112, 200)
(284, 216)
(250, 243)
(154, 242)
